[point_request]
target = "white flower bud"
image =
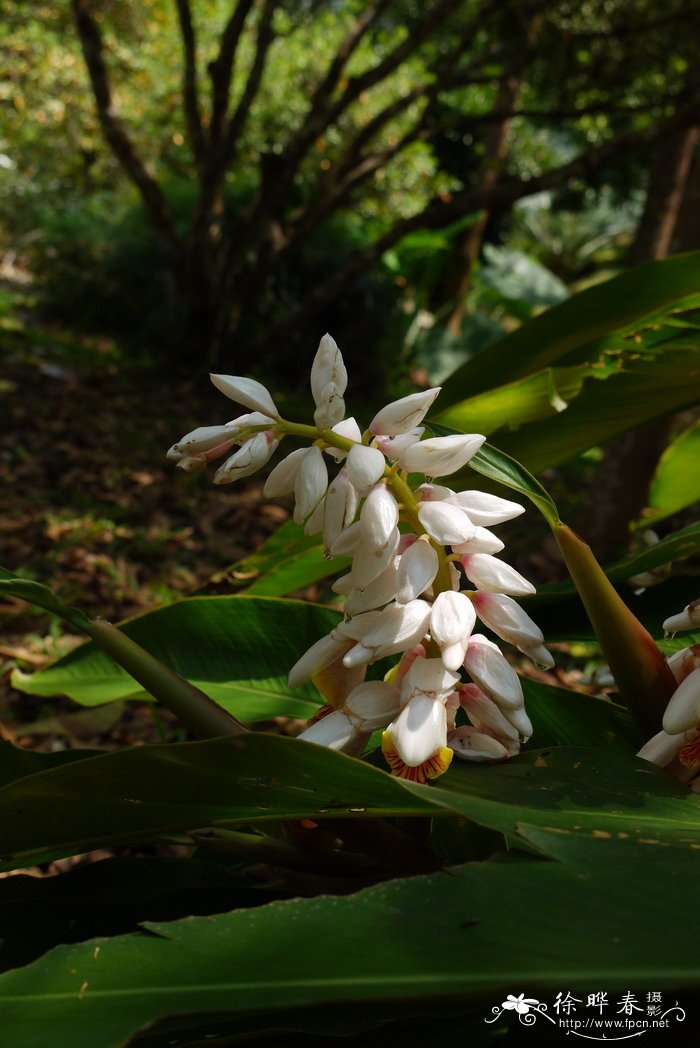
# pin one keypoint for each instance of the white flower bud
(683, 662)
(246, 391)
(404, 414)
(472, 745)
(321, 654)
(540, 656)
(394, 447)
(440, 456)
(451, 623)
(335, 731)
(688, 619)
(368, 563)
(349, 429)
(248, 459)
(661, 748)
(356, 627)
(191, 463)
(348, 542)
(507, 620)
(520, 721)
(331, 407)
(486, 510)
(204, 438)
(417, 569)
(365, 466)
(328, 367)
(376, 594)
(482, 541)
(489, 668)
(397, 628)
(433, 492)
(428, 677)
(446, 524)
(683, 710)
(373, 704)
(339, 498)
(310, 483)
(378, 517)
(484, 713)
(315, 522)
(343, 585)
(419, 731)
(282, 477)
(493, 575)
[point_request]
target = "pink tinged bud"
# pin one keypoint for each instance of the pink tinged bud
(481, 542)
(328, 367)
(331, 407)
(417, 569)
(487, 510)
(394, 447)
(404, 414)
(368, 563)
(507, 620)
(349, 429)
(420, 730)
(661, 749)
(683, 662)
(246, 391)
(282, 478)
(248, 459)
(440, 456)
(493, 575)
(202, 439)
(472, 745)
(451, 623)
(484, 713)
(428, 677)
(444, 523)
(310, 483)
(378, 517)
(433, 493)
(321, 654)
(398, 628)
(688, 619)
(348, 542)
(683, 711)
(405, 542)
(489, 668)
(365, 466)
(407, 660)
(376, 594)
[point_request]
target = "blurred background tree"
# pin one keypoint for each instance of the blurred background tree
(208, 177)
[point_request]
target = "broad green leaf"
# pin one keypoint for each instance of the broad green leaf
(527, 399)
(676, 483)
(569, 718)
(573, 328)
(146, 791)
(16, 763)
(556, 926)
(40, 595)
(287, 562)
(646, 389)
(591, 792)
(238, 650)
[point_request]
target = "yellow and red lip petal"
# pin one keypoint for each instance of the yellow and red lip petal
(689, 754)
(431, 768)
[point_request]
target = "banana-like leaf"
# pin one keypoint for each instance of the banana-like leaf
(36, 593)
(676, 483)
(238, 650)
(573, 331)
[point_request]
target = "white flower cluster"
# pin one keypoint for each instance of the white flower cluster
(679, 739)
(403, 593)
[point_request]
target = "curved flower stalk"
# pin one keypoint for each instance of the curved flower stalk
(424, 570)
(677, 745)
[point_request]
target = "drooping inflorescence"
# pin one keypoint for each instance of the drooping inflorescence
(414, 551)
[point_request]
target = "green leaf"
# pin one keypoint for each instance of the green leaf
(529, 399)
(591, 792)
(41, 596)
(16, 763)
(676, 483)
(288, 561)
(558, 926)
(238, 650)
(571, 331)
(141, 793)
(569, 718)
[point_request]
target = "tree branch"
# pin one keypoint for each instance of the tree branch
(190, 87)
(113, 129)
(264, 40)
(221, 69)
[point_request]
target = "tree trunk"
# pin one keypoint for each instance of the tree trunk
(620, 486)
